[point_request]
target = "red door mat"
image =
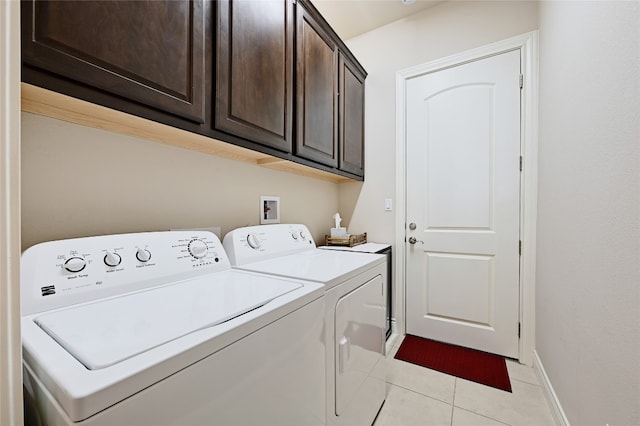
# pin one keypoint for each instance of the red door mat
(469, 364)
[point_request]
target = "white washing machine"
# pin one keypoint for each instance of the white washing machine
(355, 286)
(157, 329)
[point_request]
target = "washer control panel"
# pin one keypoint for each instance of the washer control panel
(255, 243)
(61, 273)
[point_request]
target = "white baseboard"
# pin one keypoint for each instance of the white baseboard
(393, 338)
(556, 408)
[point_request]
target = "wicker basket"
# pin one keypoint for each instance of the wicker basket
(353, 240)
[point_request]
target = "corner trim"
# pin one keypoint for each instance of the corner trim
(556, 408)
(11, 411)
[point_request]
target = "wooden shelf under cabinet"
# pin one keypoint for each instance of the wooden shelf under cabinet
(44, 102)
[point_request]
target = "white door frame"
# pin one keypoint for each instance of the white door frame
(10, 343)
(528, 45)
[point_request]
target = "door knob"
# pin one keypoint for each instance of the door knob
(412, 240)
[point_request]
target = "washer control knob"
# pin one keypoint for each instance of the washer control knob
(304, 237)
(294, 235)
(254, 241)
(112, 259)
(75, 264)
(143, 255)
(198, 248)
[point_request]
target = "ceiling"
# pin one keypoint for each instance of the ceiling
(350, 18)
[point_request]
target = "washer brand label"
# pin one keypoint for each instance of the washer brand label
(48, 290)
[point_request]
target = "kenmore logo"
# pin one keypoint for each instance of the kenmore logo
(50, 289)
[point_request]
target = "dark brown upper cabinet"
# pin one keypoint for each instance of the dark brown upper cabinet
(150, 52)
(254, 71)
(351, 134)
(317, 89)
(269, 76)
(330, 96)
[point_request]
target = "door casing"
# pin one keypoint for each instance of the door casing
(528, 45)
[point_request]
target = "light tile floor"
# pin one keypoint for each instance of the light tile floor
(419, 396)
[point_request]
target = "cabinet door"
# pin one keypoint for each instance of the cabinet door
(150, 52)
(351, 117)
(254, 78)
(317, 84)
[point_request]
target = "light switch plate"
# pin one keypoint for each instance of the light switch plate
(388, 204)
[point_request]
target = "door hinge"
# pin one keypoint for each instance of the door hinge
(521, 163)
(521, 81)
(518, 330)
(520, 247)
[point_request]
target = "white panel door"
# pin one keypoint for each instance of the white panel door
(463, 195)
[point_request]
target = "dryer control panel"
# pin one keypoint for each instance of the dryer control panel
(66, 272)
(256, 243)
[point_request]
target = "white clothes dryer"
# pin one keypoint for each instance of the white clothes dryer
(157, 329)
(355, 287)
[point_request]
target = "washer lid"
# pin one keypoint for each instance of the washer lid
(104, 333)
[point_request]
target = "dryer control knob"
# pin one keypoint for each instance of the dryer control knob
(198, 248)
(143, 255)
(75, 264)
(304, 237)
(112, 259)
(254, 241)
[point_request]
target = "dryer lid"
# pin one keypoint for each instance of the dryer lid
(323, 266)
(104, 333)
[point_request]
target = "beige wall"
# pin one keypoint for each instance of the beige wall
(79, 181)
(443, 30)
(588, 271)
(588, 274)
